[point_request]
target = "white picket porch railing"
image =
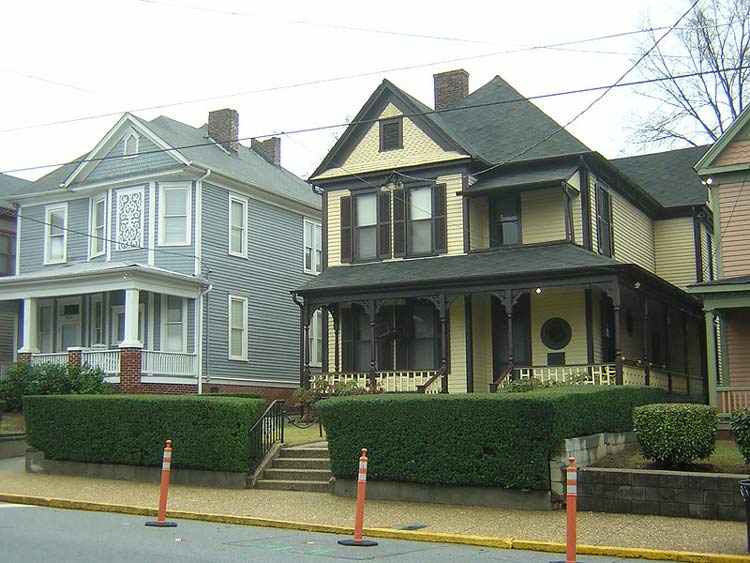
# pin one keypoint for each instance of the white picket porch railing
(57, 358)
(402, 381)
(168, 363)
(585, 374)
(107, 360)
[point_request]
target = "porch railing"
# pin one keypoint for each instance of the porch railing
(389, 381)
(730, 399)
(107, 360)
(58, 358)
(268, 430)
(168, 363)
(587, 374)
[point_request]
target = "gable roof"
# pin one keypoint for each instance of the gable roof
(190, 145)
(10, 185)
(667, 176)
(703, 166)
(492, 124)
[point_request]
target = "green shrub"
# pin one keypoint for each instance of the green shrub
(2, 409)
(502, 439)
(23, 378)
(238, 395)
(676, 434)
(739, 420)
(131, 429)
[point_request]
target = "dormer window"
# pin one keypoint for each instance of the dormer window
(391, 134)
(130, 145)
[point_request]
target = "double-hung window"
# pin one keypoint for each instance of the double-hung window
(237, 226)
(419, 214)
(315, 339)
(7, 254)
(603, 221)
(98, 225)
(504, 223)
(366, 226)
(56, 234)
(174, 220)
(313, 252)
(237, 328)
(173, 324)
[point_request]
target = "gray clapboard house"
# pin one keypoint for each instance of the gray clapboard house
(165, 256)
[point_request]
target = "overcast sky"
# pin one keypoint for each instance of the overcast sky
(287, 66)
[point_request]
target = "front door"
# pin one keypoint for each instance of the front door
(69, 323)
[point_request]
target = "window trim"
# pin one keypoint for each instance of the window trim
(61, 303)
(130, 135)
(93, 227)
(163, 323)
(97, 299)
(115, 310)
(408, 220)
(11, 252)
(317, 230)
(491, 204)
(244, 202)
(163, 188)
(315, 336)
(355, 228)
(48, 210)
(610, 251)
(244, 301)
(390, 121)
(46, 304)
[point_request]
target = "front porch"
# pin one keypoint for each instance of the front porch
(597, 325)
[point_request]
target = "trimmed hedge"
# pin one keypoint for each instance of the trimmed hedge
(492, 440)
(239, 395)
(2, 409)
(209, 434)
(676, 434)
(739, 421)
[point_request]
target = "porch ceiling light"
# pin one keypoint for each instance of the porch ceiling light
(538, 290)
(708, 181)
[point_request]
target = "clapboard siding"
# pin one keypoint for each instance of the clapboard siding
(457, 343)
(274, 267)
(482, 342)
(737, 328)
(479, 223)
(455, 213)
(734, 212)
(542, 216)
(175, 258)
(568, 305)
(633, 234)
(674, 242)
(334, 226)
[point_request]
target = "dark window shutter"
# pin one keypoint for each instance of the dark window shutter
(390, 135)
(346, 229)
(439, 218)
(384, 225)
(399, 222)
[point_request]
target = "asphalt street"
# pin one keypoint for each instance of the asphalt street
(30, 534)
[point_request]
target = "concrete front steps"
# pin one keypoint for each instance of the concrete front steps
(303, 467)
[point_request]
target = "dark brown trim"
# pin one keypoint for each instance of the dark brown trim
(466, 210)
(382, 123)
(569, 230)
(585, 207)
(469, 328)
(324, 233)
(698, 249)
(324, 337)
(589, 326)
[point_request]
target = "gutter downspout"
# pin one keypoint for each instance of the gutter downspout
(204, 293)
(301, 338)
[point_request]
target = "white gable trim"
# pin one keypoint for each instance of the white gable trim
(126, 124)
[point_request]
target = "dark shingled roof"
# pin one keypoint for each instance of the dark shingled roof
(544, 260)
(10, 185)
(543, 173)
(504, 123)
(668, 176)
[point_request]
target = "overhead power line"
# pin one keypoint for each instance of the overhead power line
(409, 115)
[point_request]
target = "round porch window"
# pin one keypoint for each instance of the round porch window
(556, 333)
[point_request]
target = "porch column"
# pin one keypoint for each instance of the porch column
(307, 315)
(685, 368)
(508, 304)
(711, 368)
(644, 340)
(30, 328)
(443, 313)
(336, 338)
(616, 303)
(373, 347)
(130, 339)
(668, 346)
(469, 331)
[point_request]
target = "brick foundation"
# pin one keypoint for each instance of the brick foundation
(24, 357)
(75, 356)
(130, 370)
(267, 393)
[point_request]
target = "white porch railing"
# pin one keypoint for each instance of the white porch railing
(107, 360)
(168, 363)
(586, 374)
(658, 378)
(633, 375)
(389, 381)
(58, 358)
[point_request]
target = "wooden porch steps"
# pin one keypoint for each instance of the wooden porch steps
(299, 468)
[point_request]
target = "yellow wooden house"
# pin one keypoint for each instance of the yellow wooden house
(477, 242)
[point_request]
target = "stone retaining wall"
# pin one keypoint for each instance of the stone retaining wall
(662, 493)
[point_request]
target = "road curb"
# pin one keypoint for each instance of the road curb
(386, 533)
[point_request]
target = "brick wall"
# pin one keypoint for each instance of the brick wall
(662, 493)
(267, 393)
(130, 370)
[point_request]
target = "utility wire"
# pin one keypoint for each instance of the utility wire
(409, 115)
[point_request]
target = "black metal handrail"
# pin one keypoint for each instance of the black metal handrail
(267, 430)
(441, 372)
(500, 378)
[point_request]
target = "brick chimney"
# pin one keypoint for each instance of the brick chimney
(223, 127)
(450, 88)
(270, 149)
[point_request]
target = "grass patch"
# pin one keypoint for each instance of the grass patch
(294, 435)
(726, 459)
(12, 423)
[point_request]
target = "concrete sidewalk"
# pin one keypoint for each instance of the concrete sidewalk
(441, 522)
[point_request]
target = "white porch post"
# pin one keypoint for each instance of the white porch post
(130, 339)
(30, 328)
